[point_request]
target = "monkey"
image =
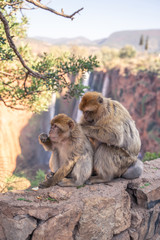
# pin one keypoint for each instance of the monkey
(72, 153)
(114, 137)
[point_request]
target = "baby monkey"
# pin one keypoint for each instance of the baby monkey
(72, 154)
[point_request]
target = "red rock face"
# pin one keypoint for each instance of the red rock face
(11, 124)
(140, 94)
(19, 146)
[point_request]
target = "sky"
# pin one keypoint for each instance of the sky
(98, 19)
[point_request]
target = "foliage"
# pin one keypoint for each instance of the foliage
(141, 41)
(107, 55)
(30, 86)
(40, 176)
(14, 182)
(35, 94)
(20, 181)
(23, 199)
(146, 44)
(17, 29)
(150, 156)
(145, 185)
(127, 52)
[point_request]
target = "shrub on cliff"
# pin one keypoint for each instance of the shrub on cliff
(127, 52)
(150, 156)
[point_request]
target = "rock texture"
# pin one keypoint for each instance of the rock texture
(140, 94)
(119, 210)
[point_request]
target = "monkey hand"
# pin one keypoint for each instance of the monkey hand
(43, 137)
(88, 182)
(47, 183)
(49, 175)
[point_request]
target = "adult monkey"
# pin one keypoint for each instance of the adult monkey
(114, 136)
(72, 153)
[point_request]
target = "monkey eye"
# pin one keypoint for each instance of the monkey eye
(54, 126)
(87, 112)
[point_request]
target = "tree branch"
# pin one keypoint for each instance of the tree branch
(5, 73)
(12, 4)
(24, 84)
(40, 5)
(10, 106)
(13, 46)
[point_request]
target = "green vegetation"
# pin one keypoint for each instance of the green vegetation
(146, 43)
(20, 181)
(81, 186)
(151, 125)
(52, 199)
(40, 177)
(127, 52)
(141, 41)
(143, 110)
(23, 199)
(145, 185)
(14, 182)
(150, 156)
(28, 81)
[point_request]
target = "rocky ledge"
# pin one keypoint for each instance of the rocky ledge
(121, 209)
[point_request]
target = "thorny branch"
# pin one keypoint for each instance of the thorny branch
(40, 5)
(10, 106)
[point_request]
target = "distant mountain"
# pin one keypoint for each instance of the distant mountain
(115, 40)
(120, 39)
(67, 41)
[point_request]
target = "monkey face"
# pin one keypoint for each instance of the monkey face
(91, 104)
(54, 133)
(89, 116)
(61, 127)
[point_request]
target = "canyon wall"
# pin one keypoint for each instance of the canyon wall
(139, 93)
(11, 125)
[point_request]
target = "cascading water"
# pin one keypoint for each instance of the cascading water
(52, 106)
(105, 87)
(85, 83)
(97, 81)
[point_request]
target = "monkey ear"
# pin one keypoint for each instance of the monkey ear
(71, 124)
(100, 99)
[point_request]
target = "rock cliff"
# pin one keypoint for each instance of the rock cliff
(140, 94)
(11, 124)
(120, 210)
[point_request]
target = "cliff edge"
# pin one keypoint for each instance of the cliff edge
(121, 209)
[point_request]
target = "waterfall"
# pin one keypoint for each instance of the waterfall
(105, 87)
(52, 106)
(85, 83)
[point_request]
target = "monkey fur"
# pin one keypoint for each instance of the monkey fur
(114, 137)
(72, 153)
